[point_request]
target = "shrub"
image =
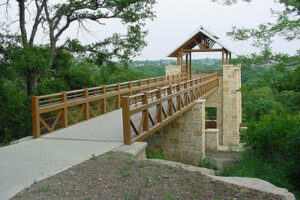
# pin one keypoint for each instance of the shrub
(209, 163)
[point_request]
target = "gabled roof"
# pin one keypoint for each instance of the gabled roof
(195, 39)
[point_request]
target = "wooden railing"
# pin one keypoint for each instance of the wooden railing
(147, 112)
(54, 111)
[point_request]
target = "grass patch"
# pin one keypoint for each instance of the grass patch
(93, 157)
(157, 155)
(124, 172)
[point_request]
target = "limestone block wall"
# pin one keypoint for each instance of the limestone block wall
(232, 104)
(183, 140)
(173, 70)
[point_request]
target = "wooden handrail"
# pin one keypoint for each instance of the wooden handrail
(106, 98)
(183, 96)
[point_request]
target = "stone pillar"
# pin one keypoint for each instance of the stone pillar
(212, 140)
(183, 140)
(232, 110)
(173, 70)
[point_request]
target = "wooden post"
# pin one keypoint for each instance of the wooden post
(118, 97)
(178, 59)
(104, 100)
(126, 120)
(226, 57)
(190, 64)
(35, 117)
(186, 64)
(65, 111)
(145, 113)
(181, 63)
(222, 56)
(230, 62)
(86, 105)
(159, 106)
(130, 88)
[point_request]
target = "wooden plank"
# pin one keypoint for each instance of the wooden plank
(202, 50)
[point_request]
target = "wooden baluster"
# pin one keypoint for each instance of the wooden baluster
(140, 85)
(201, 86)
(118, 97)
(186, 102)
(35, 117)
(65, 110)
(145, 113)
(126, 120)
(86, 105)
(170, 102)
(149, 84)
(192, 91)
(168, 79)
(196, 89)
(159, 106)
(104, 100)
(130, 88)
(178, 98)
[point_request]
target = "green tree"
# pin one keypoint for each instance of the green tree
(287, 25)
(56, 18)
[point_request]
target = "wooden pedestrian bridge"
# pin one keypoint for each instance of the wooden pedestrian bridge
(143, 106)
(146, 105)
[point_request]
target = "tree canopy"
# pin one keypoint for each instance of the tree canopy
(52, 20)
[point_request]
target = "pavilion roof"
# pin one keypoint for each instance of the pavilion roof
(202, 38)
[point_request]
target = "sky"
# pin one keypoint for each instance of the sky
(175, 22)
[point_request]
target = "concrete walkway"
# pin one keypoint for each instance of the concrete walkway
(22, 164)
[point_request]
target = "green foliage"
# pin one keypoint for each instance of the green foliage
(15, 118)
(151, 71)
(258, 102)
(249, 165)
(156, 155)
(272, 151)
(209, 163)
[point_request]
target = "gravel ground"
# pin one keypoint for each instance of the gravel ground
(117, 175)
